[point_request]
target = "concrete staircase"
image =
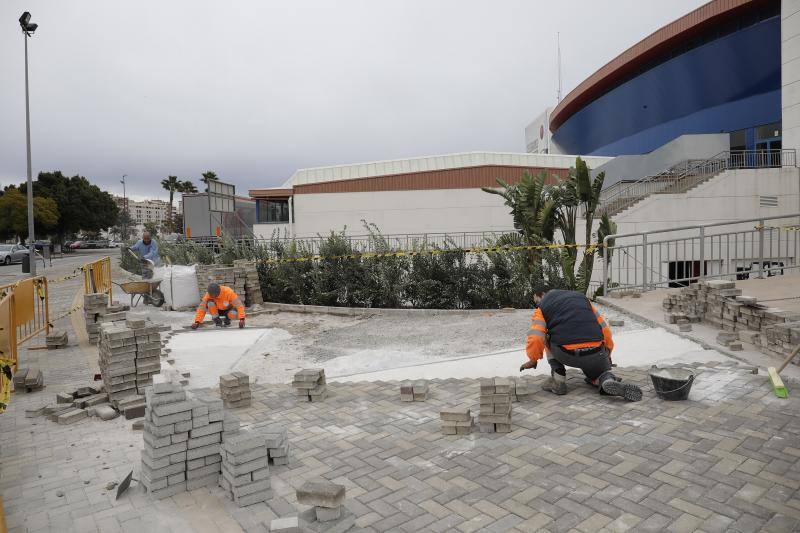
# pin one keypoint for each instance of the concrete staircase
(678, 179)
(688, 174)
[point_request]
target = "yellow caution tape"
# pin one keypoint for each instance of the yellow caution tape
(779, 228)
(492, 249)
(66, 314)
(75, 273)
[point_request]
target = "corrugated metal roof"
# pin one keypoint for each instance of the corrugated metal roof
(307, 176)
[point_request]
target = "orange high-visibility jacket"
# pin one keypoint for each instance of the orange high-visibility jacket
(226, 300)
(536, 344)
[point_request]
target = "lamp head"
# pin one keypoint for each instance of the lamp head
(25, 23)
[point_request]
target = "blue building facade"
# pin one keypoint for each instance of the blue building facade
(725, 80)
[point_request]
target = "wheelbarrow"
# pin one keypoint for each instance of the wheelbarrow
(145, 291)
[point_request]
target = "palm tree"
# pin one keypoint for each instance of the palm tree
(172, 184)
(209, 175)
(588, 191)
(187, 186)
(532, 209)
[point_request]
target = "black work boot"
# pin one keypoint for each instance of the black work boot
(611, 385)
(227, 321)
(556, 383)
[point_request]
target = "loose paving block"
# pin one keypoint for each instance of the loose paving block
(70, 417)
(407, 391)
(56, 339)
(106, 412)
(310, 384)
(321, 493)
(685, 327)
(285, 525)
(616, 322)
(420, 390)
(34, 380)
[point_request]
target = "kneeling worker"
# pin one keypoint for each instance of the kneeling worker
(568, 327)
(223, 304)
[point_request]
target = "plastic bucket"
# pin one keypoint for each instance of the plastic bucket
(672, 384)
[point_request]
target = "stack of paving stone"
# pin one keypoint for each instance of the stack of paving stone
(94, 305)
(28, 380)
(213, 273)
(56, 339)
(719, 303)
(309, 384)
(168, 421)
(203, 447)
(239, 280)
(117, 358)
(245, 467)
(456, 421)
(148, 351)
(277, 444)
(252, 285)
(234, 388)
(414, 391)
(495, 410)
(522, 389)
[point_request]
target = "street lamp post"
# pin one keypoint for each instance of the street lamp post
(124, 209)
(27, 30)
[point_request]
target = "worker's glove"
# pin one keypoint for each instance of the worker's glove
(217, 321)
(195, 325)
(241, 323)
(528, 364)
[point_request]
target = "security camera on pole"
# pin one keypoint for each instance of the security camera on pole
(27, 30)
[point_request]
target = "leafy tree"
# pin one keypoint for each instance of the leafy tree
(171, 184)
(124, 227)
(82, 206)
(14, 214)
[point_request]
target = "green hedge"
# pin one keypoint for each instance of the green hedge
(452, 279)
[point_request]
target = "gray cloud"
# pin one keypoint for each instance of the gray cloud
(259, 89)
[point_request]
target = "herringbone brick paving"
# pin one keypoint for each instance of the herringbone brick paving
(726, 460)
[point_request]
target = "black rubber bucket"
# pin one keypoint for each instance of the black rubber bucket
(672, 384)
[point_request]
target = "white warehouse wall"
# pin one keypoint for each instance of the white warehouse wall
(419, 211)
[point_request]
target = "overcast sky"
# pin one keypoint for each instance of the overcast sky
(151, 88)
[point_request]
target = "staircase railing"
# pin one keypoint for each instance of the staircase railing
(692, 172)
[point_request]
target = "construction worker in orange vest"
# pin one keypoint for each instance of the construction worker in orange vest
(222, 304)
(573, 333)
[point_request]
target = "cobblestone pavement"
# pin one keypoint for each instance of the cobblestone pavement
(726, 460)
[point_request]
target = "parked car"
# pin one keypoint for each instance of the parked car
(76, 245)
(12, 253)
(114, 244)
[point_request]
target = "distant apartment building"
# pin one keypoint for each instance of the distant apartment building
(147, 210)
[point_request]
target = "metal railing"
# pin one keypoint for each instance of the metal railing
(693, 172)
(739, 249)
(97, 277)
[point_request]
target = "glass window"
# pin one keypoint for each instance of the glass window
(768, 131)
(273, 211)
(738, 140)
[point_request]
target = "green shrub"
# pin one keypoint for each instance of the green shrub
(436, 277)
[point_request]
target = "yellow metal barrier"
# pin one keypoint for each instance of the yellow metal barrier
(24, 313)
(97, 277)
